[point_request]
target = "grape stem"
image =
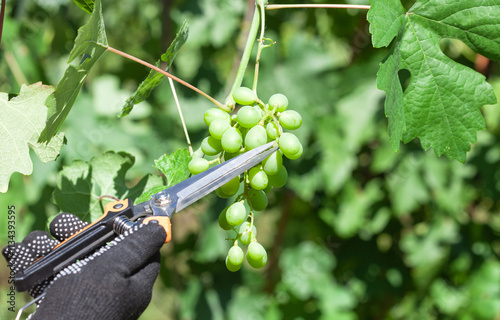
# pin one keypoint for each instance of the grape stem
(326, 6)
(184, 83)
(252, 34)
(261, 8)
(174, 93)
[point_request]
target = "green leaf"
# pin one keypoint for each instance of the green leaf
(85, 5)
(90, 43)
(441, 104)
(174, 166)
(154, 78)
(175, 169)
(21, 120)
(80, 184)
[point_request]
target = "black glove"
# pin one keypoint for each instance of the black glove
(113, 283)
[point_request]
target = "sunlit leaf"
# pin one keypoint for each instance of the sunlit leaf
(21, 120)
(441, 105)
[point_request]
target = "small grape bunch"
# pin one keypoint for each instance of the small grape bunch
(254, 124)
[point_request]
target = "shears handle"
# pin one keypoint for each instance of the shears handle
(115, 220)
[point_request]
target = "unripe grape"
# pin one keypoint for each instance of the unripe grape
(211, 146)
(218, 127)
(258, 178)
(228, 155)
(278, 101)
(222, 194)
(234, 258)
(296, 155)
(244, 95)
(256, 255)
(289, 144)
(223, 221)
(215, 113)
(290, 119)
(255, 137)
(273, 163)
(259, 110)
(248, 117)
(272, 130)
(258, 199)
(279, 180)
(231, 187)
(269, 187)
(231, 140)
(236, 214)
(245, 234)
(197, 165)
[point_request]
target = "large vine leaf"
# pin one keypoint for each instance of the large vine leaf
(441, 104)
(154, 78)
(175, 169)
(21, 120)
(90, 43)
(81, 184)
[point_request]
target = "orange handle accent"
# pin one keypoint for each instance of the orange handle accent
(115, 206)
(164, 221)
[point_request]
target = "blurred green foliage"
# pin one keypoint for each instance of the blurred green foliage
(359, 232)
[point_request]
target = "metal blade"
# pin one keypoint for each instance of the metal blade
(212, 179)
(185, 193)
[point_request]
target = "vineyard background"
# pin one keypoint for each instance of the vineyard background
(359, 231)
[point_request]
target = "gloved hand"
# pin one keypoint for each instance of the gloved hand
(113, 283)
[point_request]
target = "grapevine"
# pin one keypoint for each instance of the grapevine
(249, 124)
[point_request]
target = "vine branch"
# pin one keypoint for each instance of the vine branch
(327, 6)
(184, 83)
(252, 34)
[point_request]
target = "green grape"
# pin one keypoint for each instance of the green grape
(218, 127)
(259, 110)
(269, 187)
(228, 155)
(272, 130)
(278, 101)
(296, 155)
(290, 120)
(221, 194)
(215, 113)
(245, 234)
(197, 165)
(258, 178)
(244, 95)
(211, 146)
(255, 137)
(258, 199)
(256, 255)
(236, 214)
(234, 258)
(231, 187)
(279, 180)
(273, 163)
(231, 140)
(223, 222)
(289, 144)
(248, 117)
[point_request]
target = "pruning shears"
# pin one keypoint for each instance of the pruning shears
(122, 215)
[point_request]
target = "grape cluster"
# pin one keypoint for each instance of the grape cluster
(254, 124)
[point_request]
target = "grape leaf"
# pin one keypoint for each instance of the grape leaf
(80, 184)
(21, 120)
(90, 43)
(175, 169)
(85, 5)
(154, 78)
(441, 104)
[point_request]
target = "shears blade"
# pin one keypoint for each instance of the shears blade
(181, 195)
